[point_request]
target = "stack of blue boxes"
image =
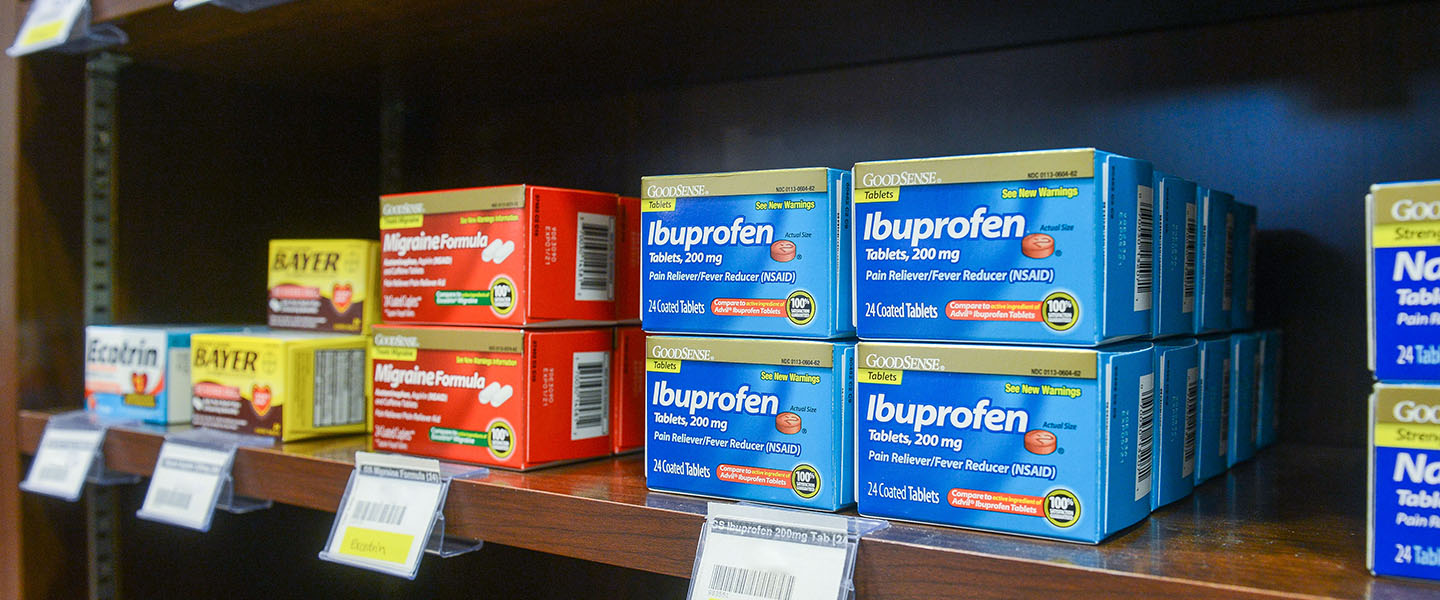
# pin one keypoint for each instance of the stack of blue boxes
(1403, 235)
(1042, 420)
(764, 254)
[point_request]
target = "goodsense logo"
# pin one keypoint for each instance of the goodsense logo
(901, 178)
(396, 341)
(904, 363)
(675, 191)
(1410, 210)
(680, 353)
(1409, 412)
(413, 208)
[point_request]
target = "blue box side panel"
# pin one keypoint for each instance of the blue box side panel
(1241, 313)
(1128, 305)
(1212, 431)
(1172, 196)
(1242, 399)
(843, 240)
(1269, 414)
(1210, 315)
(845, 378)
(1128, 499)
(1173, 364)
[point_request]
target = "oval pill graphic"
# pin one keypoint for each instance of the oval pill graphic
(782, 251)
(1037, 245)
(787, 423)
(1039, 441)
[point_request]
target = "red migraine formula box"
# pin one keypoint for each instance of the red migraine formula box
(509, 255)
(627, 391)
(506, 397)
(627, 260)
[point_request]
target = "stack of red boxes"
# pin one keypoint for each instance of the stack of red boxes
(497, 344)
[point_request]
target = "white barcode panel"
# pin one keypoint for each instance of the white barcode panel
(1144, 247)
(736, 583)
(1145, 438)
(173, 498)
(1229, 259)
(1192, 414)
(590, 402)
(381, 513)
(1225, 408)
(594, 257)
(1188, 301)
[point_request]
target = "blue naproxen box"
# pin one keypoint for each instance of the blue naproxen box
(1177, 388)
(1403, 235)
(1212, 280)
(1048, 247)
(764, 253)
(132, 370)
(1267, 413)
(1242, 304)
(1244, 432)
(1175, 214)
(1404, 481)
(1213, 432)
(1046, 442)
(767, 420)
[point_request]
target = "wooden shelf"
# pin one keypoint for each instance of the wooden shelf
(1278, 527)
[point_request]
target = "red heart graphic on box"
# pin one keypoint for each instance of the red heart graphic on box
(139, 380)
(341, 297)
(260, 399)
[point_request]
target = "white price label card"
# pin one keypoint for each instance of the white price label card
(754, 553)
(386, 515)
(184, 4)
(47, 24)
(62, 461)
(185, 485)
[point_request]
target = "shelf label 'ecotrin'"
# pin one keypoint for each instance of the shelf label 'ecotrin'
(48, 24)
(387, 512)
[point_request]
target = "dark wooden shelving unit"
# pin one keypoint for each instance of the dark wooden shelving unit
(233, 129)
(1274, 528)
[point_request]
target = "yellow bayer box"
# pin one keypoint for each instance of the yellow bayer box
(288, 384)
(324, 285)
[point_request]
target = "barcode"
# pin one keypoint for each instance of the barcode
(1250, 281)
(1189, 286)
(1144, 247)
(590, 406)
(1145, 443)
(339, 390)
(172, 498)
(1225, 408)
(1192, 409)
(377, 512)
(595, 257)
(769, 585)
(1255, 398)
(1229, 257)
(53, 473)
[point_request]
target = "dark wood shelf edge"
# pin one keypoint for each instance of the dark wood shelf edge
(657, 537)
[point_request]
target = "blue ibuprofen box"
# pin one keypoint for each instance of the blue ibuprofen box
(1175, 213)
(764, 253)
(131, 370)
(1242, 305)
(1046, 442)
(1047, 247)
(1212, 280)
(1213, 432)
(1403, 234)
(1404, 499)
(767, 420)
(1177, 387)
(1267, 413)
(1243, 433)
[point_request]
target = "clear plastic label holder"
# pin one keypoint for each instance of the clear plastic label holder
(71, 453)
(192, 478)
(63, 26)
(243, 6)
(393, 508)
(755, 552)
